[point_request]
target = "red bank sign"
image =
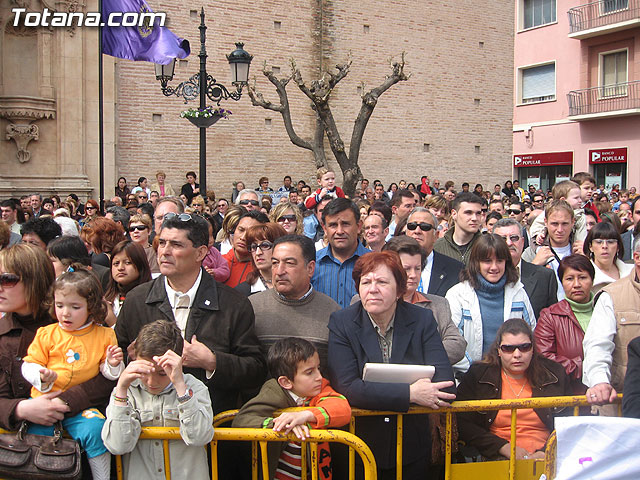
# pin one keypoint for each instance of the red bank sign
(543, 159)
(610, 155)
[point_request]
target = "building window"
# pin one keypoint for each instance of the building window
(538, 12)
(538, 84)
(613, 79)
(609, 6)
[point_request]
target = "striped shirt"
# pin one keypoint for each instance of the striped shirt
(334, 278)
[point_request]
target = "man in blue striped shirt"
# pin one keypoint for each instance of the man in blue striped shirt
(334, 263)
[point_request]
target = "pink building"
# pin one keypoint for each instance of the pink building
(577, 91)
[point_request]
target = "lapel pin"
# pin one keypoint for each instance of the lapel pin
(441, 276)
(207, 302)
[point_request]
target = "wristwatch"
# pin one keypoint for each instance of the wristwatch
(186, 396)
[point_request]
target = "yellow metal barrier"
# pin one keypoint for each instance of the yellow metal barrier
(261, 437)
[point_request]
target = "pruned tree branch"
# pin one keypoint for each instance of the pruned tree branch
(369, 102)
(319, 91)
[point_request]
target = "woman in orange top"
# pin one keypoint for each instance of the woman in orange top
(512, 368)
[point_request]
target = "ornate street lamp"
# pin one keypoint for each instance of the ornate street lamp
(239, 61)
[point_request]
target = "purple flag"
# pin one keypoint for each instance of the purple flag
(147, 42)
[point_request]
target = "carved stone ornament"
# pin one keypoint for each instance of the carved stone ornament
(21, 111)
(22, 135)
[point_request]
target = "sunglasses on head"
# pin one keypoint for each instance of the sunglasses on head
(139, 228)
(523, 347)
(263, 245)
(9, 280)
(424, 226)
(183, 217)
(255, 203)
(290, 218)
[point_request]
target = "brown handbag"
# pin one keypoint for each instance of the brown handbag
(25, 456)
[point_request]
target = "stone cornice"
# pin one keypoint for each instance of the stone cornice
(16, 108)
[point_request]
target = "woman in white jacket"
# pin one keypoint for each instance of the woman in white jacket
(489, 294)
(605, 248)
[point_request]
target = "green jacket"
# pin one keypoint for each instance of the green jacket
(446, 246)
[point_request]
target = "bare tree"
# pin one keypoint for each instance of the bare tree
(319, 91)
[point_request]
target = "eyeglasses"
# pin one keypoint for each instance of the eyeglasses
(603, 241)
(9, 280)
(514, 238)
(139, 228)
(514, 211)
(183, 217)
(287, 218)
(264, 245)
(523, 347)
(424, 226)
(255, 203)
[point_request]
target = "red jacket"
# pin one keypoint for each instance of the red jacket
(558, 336)
(314, 199)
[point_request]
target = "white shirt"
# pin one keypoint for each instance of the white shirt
(598, 343)
(425, 276)
(174, 296)
(561, 252)
(392, 230)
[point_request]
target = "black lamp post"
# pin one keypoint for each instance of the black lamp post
(239, 61)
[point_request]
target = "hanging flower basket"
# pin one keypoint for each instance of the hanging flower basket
(204, 118)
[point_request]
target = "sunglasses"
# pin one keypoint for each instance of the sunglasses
(485, 210)
(263, 245)
(9, 280)
(90, 208)
(514, 211)
(289, 218)
(523, 347)
(183, 217)
(424, 226)
(255, 203)
(138, 228)
(513, 238)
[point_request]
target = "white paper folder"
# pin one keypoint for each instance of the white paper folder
(396, 373)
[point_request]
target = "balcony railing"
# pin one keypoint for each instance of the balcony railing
(623, 98)
(603, 13)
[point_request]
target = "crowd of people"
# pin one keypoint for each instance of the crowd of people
(161, 310)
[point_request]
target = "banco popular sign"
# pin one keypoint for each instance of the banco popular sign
(543, 159)
(609, 155)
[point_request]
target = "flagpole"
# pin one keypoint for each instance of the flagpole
(100, 112)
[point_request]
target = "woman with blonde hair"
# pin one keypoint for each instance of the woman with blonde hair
(139, 231)
(164, 189)
(229, 225)
(288, 216)
(438, 205)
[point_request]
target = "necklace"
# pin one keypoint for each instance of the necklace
(511, 388)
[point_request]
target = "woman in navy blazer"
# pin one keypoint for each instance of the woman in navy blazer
(354, 341)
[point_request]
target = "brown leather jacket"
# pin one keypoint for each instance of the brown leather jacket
(16, 334)
(558, 336)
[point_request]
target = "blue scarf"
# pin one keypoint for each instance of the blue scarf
(491, 297)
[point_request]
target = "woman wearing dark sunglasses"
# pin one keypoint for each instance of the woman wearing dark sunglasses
(260, 240)
(26, 275)
(511, 369)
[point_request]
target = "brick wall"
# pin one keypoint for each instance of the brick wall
(451, 120)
